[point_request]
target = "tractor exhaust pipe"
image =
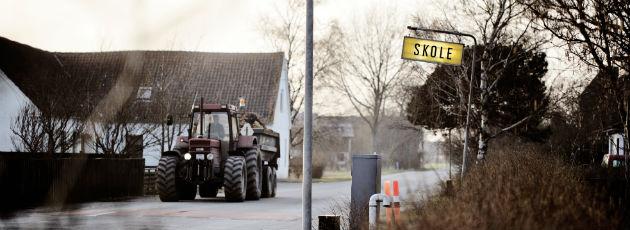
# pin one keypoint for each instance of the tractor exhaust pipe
(201, 117)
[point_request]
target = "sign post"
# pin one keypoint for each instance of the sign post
(409, 52)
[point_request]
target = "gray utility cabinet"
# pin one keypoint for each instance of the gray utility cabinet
(366, 181)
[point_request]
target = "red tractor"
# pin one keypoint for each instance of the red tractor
(215, 155)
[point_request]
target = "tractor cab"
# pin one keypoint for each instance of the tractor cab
(215, 121)
(215, 126)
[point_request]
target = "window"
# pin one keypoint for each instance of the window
(234, 129)
(144, 94)
(215, 125)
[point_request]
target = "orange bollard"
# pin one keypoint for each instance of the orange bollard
(396, 202)
(388, 210)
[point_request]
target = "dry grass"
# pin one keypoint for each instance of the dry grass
(340, 175)
(518, 187)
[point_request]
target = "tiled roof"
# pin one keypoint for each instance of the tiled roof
(176, 76)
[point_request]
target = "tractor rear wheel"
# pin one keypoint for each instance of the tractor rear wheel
(208, 190)
(235, 179)
(166, 182)
(254, 175)
(269, 182)
(275, 182)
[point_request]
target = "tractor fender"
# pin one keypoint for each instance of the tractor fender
(247, 142)
(174, 152)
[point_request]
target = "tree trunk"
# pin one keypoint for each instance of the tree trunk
(626, 131)
(483, 134)
(375, 139)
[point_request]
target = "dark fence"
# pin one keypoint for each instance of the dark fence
(51, 179)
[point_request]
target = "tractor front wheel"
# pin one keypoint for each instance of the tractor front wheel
(235, 179)
(166, 182)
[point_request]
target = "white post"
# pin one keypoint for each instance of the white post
(374, 205)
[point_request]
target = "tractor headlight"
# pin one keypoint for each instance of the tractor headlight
(209, 156)
(187, 156)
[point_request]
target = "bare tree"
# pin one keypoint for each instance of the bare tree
(499, 22)
(400, 142)
(35, 131)
(111, 136)
(596, 32)
(54, 122)
(27, 131)
(372, 67)
(285, 32)
(501, 25)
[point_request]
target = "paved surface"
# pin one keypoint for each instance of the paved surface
(282, 212)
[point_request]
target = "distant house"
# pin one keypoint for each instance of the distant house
(600, 117)
(339, 137)
(334, 136)
(152, 82)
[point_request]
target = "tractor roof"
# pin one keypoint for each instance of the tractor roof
(216, 107)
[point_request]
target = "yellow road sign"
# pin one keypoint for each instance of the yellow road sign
(432, 51)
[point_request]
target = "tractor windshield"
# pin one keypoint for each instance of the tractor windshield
(215, 124)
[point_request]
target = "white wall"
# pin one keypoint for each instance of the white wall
(282, 123)
(11, 101)
(615, 144)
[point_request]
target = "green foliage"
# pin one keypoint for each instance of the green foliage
(520, 92)
(517, 91)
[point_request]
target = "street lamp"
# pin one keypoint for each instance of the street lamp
(472, 75)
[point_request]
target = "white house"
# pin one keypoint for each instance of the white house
(158, 81)
(11, 101)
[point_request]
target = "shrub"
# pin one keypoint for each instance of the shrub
(518, 187)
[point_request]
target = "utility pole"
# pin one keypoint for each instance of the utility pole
(470, 86)
(308, 121)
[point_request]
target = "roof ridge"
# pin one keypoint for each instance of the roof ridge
(168, 51)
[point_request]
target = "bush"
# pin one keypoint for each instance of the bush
(318, 167)
(295, 166)
(518, 187)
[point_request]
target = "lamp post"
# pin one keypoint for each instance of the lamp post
(308, 121)
(470, 86)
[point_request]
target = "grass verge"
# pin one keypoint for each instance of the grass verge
(341, 175)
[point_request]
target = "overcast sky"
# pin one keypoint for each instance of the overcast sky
(213, 26)
(210, 26)
(204, 25)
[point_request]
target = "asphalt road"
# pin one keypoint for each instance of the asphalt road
(282, 212)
